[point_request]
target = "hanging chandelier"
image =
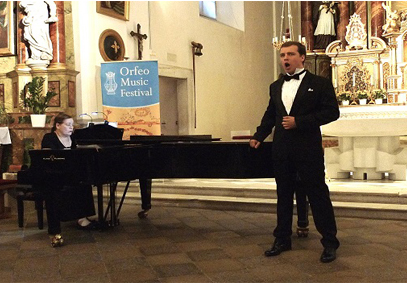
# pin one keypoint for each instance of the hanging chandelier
(287, 34)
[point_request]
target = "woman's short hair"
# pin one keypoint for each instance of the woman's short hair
(59, 119)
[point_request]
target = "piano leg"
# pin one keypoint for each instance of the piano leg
(145, 191)
(101, 219)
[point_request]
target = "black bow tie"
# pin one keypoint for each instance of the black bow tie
(295, 76)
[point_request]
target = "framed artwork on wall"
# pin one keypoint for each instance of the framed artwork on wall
(111, 45)
(115, 9)
(6, 28)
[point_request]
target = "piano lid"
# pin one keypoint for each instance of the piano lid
(165, 138)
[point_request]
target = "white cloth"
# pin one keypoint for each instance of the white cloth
(289, 90)
(5, 135)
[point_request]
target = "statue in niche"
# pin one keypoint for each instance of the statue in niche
(36, 28)
(325, 21)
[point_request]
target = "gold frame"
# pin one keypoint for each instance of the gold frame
(9, 49)
(112, 13)
(118, 38)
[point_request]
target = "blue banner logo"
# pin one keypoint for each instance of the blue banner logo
(130, 83)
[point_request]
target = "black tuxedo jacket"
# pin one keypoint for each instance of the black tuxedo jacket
(314, 105)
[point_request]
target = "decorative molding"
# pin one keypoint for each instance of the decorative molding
(56, 100)
(111, 45)
(71, 93)
(2, 100)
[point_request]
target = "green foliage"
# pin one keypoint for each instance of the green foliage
(379, 94)
(362, 95)
(345, 96)
(5, 117)
(34, 97)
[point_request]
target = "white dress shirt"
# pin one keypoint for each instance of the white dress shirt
(289, 90)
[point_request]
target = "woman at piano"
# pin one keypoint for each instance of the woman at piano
(65, 202)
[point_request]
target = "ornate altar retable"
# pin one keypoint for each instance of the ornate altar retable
(369, 135)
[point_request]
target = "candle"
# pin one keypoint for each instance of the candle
(283, 38)
(335, 83)
(354, 79)
(299, 38)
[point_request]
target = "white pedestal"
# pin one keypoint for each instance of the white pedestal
(369, 158)
(369, 143)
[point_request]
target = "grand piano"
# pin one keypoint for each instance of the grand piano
(106, 159)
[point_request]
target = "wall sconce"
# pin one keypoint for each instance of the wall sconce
(196, 51)
(197, 48)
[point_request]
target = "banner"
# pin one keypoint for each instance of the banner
(130, 96)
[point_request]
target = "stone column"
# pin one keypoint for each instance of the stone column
(360, 9)
(377, 18)
(22, 51)
(57, 34)
(343, 21)
(307, 30)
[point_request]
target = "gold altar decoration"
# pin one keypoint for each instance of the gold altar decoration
(355, 76)
(355, 33)
(359, 66)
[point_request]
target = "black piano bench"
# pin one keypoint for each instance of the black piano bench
(26, 193)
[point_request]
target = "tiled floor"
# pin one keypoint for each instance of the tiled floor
(193, 245)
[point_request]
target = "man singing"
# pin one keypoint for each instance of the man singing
(300, 103)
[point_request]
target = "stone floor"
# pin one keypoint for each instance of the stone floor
(195, 245)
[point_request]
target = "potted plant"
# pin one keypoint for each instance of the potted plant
(344, 97)
(362, 96)
(35, 99)
(5, 118)
(379, 95)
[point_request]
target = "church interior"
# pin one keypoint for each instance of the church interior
(216, 61)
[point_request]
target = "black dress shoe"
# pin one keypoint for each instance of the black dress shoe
(278, 247)
(328, 255)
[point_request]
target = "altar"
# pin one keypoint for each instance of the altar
(368, 143)
(364, 73)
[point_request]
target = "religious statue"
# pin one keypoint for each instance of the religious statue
(392, 21)
(36, 28)
(326, 19)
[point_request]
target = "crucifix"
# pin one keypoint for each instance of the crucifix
(140, 37)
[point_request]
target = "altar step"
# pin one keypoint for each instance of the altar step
(378, 200)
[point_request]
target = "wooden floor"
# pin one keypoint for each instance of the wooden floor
(199, 245)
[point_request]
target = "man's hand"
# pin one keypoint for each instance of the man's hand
(289, 123)
(254, 143)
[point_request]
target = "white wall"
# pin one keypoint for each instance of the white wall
(232, 76)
